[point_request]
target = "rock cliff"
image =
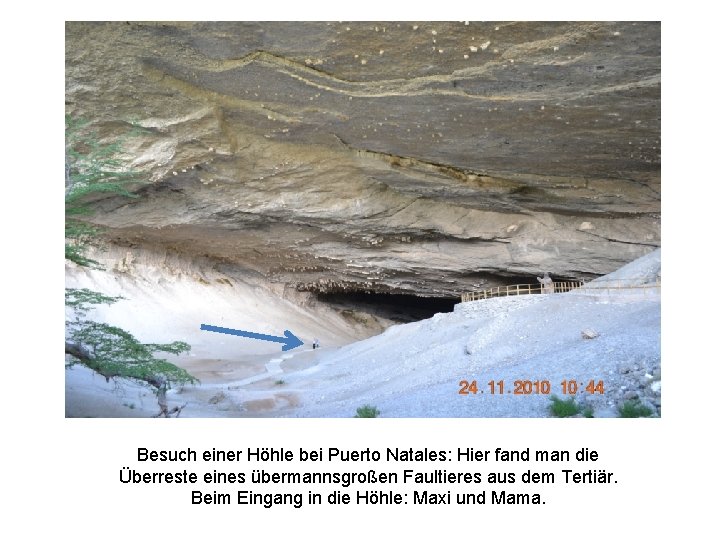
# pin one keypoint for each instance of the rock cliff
(428, 158)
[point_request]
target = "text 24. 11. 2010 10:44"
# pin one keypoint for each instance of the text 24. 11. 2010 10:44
(527, 387)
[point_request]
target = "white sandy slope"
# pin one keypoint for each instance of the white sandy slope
(166, 298)
(414, 370)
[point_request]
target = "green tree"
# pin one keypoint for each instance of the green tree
(91, 170)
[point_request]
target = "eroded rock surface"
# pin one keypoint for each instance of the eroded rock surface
(431, 158)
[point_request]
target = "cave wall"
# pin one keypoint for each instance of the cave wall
(431, 158)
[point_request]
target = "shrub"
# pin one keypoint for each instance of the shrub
(562, 408)
(367, 411)
(634, 409)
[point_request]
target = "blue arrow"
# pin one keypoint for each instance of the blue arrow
(290, 340)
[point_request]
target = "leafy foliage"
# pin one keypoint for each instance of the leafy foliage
(81, 299)
(92, 168)
(114, 352)
(634, 409)
(564, 408)
(367, 411)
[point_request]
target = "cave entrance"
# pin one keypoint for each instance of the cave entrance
(400, 308)
(494, 280)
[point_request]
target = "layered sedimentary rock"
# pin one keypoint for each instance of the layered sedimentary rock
(428, 158)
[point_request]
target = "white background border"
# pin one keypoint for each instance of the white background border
(61, 474)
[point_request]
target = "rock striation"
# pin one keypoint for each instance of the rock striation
(423, 158)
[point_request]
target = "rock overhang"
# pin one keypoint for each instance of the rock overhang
(272, 146)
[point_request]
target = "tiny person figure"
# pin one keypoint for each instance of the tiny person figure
(546, 284)
(316, 344)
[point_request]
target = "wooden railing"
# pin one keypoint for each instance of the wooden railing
(591, 287)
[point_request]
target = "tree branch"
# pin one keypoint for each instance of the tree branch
(157, 381)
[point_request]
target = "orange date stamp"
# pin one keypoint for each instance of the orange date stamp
(526, 387)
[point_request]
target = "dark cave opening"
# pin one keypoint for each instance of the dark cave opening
(488, 280)
(401, 308)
